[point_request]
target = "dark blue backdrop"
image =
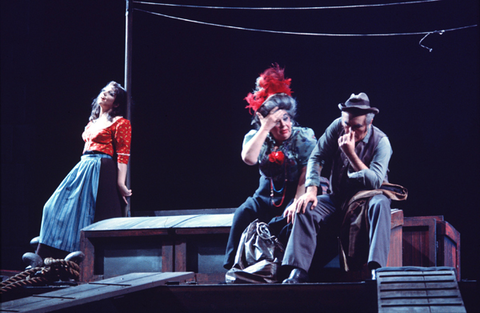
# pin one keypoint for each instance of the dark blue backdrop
(188, 85)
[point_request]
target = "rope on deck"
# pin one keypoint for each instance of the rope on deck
(54, 270)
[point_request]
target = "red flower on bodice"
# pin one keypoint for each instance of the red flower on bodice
(276, 157)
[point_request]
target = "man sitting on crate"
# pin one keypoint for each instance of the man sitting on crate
(359, 154)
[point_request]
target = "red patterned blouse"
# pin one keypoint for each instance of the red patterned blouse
(114, 138)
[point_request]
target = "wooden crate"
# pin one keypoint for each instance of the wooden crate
(430, 241)
(395, 258)
(171, 243)
(175, 241)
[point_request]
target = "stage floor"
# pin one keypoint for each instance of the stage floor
(178, 292)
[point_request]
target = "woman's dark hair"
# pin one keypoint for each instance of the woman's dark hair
(119, 104)
(280, 100)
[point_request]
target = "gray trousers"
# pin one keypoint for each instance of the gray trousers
(303, 239)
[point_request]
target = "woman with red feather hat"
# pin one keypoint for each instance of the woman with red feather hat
(281, 150)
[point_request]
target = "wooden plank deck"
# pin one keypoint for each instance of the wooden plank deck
(85, 294)
(124, 294)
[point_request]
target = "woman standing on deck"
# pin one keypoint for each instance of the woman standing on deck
(280, 149)
(94, 188)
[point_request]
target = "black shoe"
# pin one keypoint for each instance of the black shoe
(297, 276)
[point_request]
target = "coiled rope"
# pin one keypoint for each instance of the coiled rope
(54, 270)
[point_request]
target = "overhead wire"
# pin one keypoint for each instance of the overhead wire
(425, 33)
(303, 33)
(352, 6)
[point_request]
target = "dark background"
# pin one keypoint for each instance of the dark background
(188, 85)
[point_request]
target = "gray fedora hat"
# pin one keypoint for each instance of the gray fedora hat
(358, 104)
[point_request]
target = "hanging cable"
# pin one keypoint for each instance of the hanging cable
(353, 6)
(440, 32)
(304, 33)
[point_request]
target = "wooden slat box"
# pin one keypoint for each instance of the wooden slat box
(170, 243)
(395, 258)
(174, 241)
(430, 241)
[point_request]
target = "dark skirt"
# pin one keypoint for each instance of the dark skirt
(109, 200)
(88, 194)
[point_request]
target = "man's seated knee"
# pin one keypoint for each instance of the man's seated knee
(380, 201)
(379, 205)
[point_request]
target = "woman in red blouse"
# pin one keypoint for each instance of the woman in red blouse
(94, 189)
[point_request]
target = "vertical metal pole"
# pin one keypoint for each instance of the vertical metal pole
(128, 80)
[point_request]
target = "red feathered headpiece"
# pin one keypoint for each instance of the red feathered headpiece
(270, 82)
